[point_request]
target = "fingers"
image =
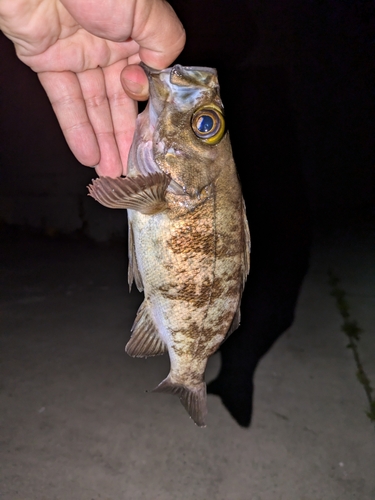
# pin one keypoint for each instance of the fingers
(95, 115)
(99, 113)
(64, 92)
(124, 112)
(94, 112)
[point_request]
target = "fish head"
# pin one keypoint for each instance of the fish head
(184, 126)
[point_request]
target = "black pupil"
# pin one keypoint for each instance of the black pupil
(205, 123)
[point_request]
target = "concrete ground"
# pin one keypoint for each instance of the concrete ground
(77, 424)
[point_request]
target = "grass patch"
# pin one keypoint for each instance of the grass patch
(353, 331)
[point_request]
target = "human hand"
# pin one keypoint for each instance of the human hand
(80, 48)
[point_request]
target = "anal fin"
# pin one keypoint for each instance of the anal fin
(145, 340)
(194, 399)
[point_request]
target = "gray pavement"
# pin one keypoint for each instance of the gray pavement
(77, 424)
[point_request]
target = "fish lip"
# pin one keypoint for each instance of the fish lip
(150, 72)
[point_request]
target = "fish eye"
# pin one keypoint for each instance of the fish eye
(208, 124)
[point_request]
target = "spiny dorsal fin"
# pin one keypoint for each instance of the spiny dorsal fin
(145, 193)
(194, 399)
(145, 340)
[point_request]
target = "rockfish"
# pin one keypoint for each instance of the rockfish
(189, 242)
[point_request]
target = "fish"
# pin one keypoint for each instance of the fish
(189, 240)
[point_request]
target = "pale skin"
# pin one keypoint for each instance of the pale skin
(86, 54)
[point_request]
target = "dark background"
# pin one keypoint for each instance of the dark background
(305, 68)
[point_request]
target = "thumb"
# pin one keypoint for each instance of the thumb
(135, 82)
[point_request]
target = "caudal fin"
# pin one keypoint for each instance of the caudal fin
(194, 399)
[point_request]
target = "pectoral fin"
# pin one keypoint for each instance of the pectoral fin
(145, 340)
(145, 193)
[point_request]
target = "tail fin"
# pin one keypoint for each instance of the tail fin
(194, 399)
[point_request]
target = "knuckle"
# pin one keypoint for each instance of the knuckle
(95, 101)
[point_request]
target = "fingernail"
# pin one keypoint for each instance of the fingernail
(134, 87)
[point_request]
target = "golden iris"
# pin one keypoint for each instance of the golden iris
(208, 124)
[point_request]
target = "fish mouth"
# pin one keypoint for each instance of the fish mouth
(177, 70)
(184, 85)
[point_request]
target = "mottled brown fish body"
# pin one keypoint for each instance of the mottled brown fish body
(188, 235)
(193, 274)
